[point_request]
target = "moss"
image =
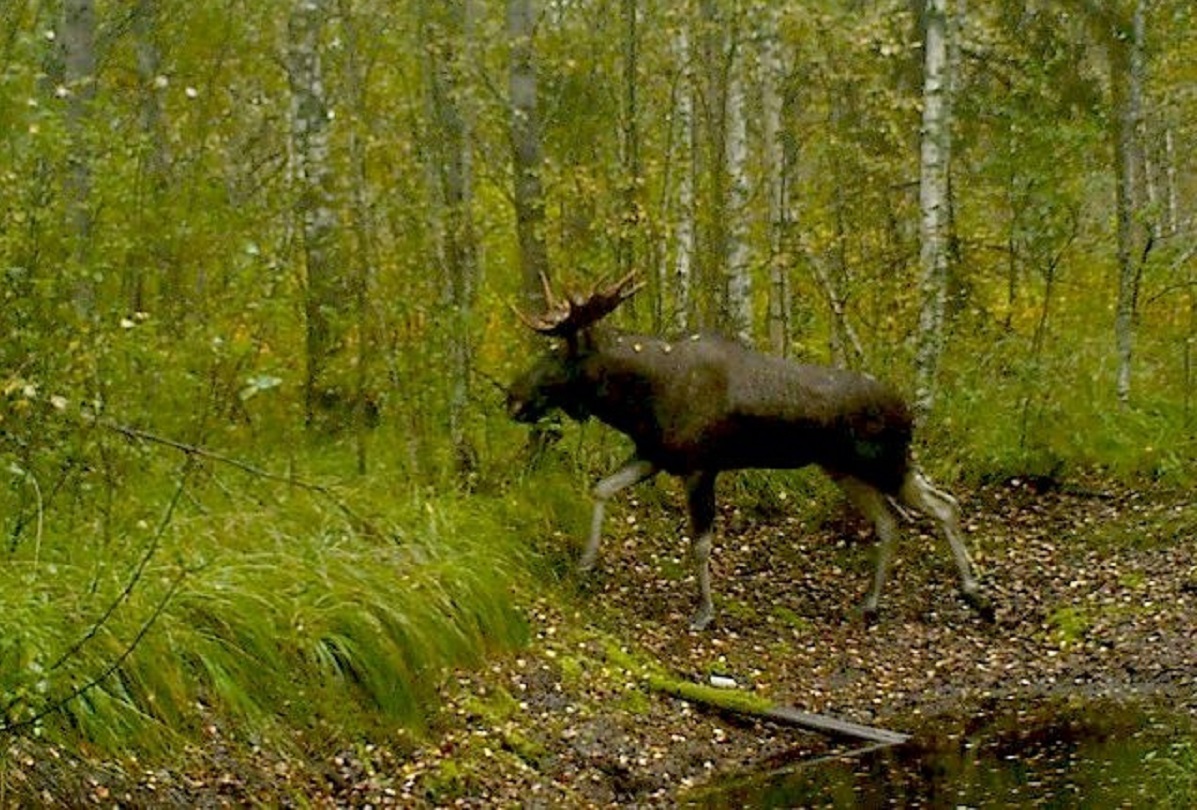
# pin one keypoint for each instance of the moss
(792, 620)
(1069, 624)
(571, 670)
(658, 679)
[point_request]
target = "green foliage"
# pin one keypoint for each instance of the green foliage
(273, 616)
(1068, 625)
(1003, 415)
(1176, 769)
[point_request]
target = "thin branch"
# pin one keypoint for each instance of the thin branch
(192, 450)
(121, 598)
(113, 666)
(127, 591)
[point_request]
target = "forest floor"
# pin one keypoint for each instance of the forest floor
(1093, 590)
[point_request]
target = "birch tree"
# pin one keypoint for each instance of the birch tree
(324, 293)
(684, 226)
(738, 290)
(364, 260)
(77, 35)
(449, 34)
(626, 243)
(1134, 240)
(933, 203)
(526, 150)
(775, 170)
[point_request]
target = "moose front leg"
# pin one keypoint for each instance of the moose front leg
(631, 473)
(700, 496)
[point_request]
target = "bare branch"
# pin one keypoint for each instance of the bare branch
(138, 434)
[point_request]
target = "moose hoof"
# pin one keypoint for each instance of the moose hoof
(979, 603)
(869, 614)
(701, 619)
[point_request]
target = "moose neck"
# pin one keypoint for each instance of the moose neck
(617, 375)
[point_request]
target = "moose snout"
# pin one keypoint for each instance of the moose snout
(517, 409)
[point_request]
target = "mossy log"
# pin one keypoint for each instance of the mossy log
(743, 703)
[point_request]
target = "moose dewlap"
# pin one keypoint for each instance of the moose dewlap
(696, 407)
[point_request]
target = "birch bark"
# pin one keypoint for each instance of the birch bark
(735, 145)
(311, 174)
(449, 32)
(775, 168)
(933, 204)
(683, 229)
(1128, 159)
(526, 151)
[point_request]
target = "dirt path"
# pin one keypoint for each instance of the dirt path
(1093, 592)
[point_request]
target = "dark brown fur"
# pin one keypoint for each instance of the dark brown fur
(707, 403)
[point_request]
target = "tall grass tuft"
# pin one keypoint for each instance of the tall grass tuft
(258, 618)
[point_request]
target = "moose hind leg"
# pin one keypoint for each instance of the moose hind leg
(631, 473)
(700, 497)
(919, 493)
(872, 504)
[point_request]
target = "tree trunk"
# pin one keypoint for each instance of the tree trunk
(629, 228)
(449, 32)
(363, 263)
(738, 291)
(1128, 160)
(684, 226)
(78, 38)
(774, 154)
(323, 290)
(933, 204)
(526, 153)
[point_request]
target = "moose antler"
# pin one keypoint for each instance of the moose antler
(570, 315)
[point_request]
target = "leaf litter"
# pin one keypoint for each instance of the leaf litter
(1093, 591)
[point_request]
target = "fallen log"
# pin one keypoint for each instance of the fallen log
(737, 701)
(834, 725)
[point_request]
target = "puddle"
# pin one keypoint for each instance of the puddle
(1071, 754)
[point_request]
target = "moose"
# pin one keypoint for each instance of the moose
(703, 404)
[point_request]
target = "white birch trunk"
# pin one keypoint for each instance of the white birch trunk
(739, 280)
(772, 74)
(449, 31)
(1128, 158)
(526, 152)
(683, 263)
(933, 204)
(311, 175)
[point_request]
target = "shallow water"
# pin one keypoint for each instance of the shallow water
(1066, 754)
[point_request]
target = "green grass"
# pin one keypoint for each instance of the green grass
(265, 611)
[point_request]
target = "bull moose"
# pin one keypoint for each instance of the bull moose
(699, 405)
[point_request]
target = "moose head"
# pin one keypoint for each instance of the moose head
(553, 381)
